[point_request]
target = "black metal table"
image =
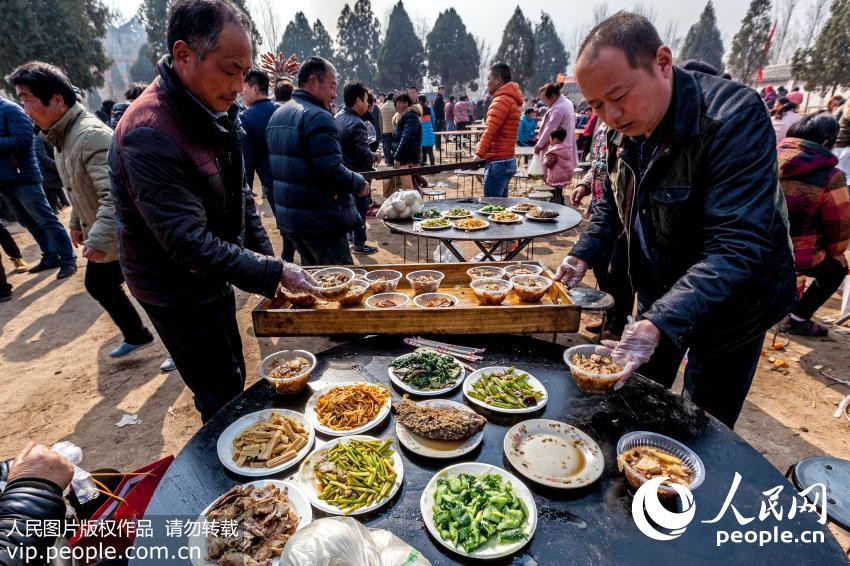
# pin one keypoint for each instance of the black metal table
(524, 233)
(592, 525)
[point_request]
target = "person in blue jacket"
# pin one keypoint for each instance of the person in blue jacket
(428, 119)
(527, 129)
(20, 189)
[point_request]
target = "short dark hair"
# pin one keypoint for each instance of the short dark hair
(404, 97)
(313, 66)
(354, 91)
(559, 134)
(549, 90)
(258, 78)
(283, 90)
(529, 111)
(413, 87)
(44, 80)
(819, 128)
(107, 104)
(451, 98)
(629, 33)
(390, 96)
(134, 90)
(198, 23)
(370, 97)
(502, 71)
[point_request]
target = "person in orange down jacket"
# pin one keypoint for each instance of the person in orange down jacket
(502, 124)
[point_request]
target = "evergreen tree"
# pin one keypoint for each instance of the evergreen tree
(703, 40)
(552, 58)
(452, 52)
(298, 38)
(401, 61)
(142, 69)
(825, 66)
(517, 49)
(154, 16)
(748, 54)
(66, 33)
(358, 44)
(322, 43)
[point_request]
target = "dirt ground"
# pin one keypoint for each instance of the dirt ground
(59, 384)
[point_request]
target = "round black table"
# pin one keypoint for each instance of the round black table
(592, 525)
(524, 232)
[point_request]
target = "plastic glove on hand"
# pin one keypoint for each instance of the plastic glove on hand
(571, 271)
(635, 347)
(297, 280)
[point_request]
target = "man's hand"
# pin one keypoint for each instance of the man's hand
(396, 164)
(367, 188)
(537, 150)
(571, 271)
(76, 237)
(94, 255)
(635, 347)
(578, 194)
(297, 280)
(40, 462)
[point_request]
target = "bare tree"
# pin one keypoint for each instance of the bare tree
(784, 12)
(815, 16)
(600, 12)
(422, 28)
(269, 23)
(644, 10)
(671, 36)
(485, 53)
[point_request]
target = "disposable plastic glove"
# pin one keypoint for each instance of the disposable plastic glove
(635, 347)
(571, 271)
(297, 280)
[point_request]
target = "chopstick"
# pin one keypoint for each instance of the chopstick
(443, 350)
(465, 349)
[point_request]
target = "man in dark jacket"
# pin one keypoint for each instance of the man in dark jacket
(104, 113)
(34, 481)
(356, 154)
(254, 120)
(20, 189)
(186, 223)
(313, 189)
(439, 107)
(52, 183)
(407, 136)
(131, 93)
(692, 185)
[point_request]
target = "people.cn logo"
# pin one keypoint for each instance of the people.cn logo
(646, 507)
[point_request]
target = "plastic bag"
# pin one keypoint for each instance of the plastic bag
(535, 168)
(338, 541)
(845, 297)
(82, 482)
(843, 155)
(400, 205)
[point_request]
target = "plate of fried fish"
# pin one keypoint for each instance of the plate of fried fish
(438, 428)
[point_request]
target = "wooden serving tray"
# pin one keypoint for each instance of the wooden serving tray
(554, 313)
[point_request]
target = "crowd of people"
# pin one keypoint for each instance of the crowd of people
(689, 236)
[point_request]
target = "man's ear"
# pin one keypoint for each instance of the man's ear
(664, 60)
(181, 52)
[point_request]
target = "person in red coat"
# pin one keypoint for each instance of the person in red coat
(497, 144)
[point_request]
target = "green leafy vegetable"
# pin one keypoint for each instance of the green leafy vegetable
(506, 389)
(427, 371)
(471, 510)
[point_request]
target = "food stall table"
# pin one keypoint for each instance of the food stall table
(591, 525)
(524, 232)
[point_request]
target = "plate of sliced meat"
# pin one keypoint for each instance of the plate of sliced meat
(438, 428)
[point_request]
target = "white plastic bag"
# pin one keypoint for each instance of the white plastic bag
(535, 168)
(843, 155)
(401, 204)
(82, 482)
(338, 541)
(845, 297)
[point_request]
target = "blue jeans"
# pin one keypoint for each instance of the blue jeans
(387, 142)
(497, 177)
(29, 205)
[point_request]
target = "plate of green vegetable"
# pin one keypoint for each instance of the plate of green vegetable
(478, 510)
(426, 373)
(351, 475)
(491, 208)
(505, 390)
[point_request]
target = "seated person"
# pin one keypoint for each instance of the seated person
(818, 212)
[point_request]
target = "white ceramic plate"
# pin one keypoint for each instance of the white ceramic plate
(438, 448)
(484, 227)
(516, 221)
(306, 477)
(455, 217)
(225, 442)
(297, 498)
(493, 549)
(424, 393)
(424, 227)
(313, 418)
(532, 381)
(553, 453)
(518, 211)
